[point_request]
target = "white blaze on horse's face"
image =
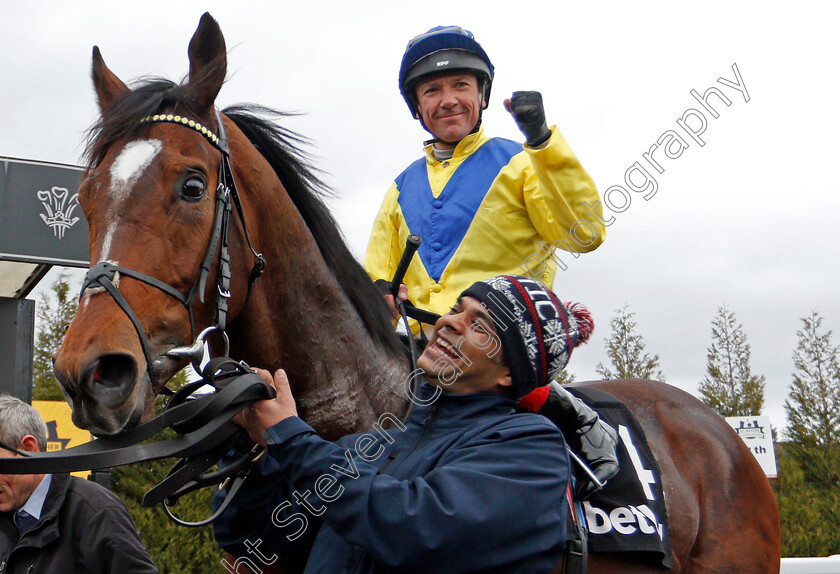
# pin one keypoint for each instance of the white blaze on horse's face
(133, 160)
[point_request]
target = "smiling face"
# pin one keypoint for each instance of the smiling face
(464, 354)
(449, 105)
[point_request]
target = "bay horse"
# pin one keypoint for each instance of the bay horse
(149, 195)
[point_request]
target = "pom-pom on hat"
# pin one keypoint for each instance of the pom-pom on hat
(537, 332)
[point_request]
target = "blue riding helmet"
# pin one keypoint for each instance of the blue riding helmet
(443, 49)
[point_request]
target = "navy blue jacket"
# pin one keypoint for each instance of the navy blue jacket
(465, 486)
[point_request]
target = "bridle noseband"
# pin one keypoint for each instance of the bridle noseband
(106, 275)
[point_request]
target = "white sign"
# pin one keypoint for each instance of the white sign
(755, 431)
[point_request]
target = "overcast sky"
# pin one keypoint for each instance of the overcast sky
(746, 220)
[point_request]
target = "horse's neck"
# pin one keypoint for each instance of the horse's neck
(343, 381)
(300, 320)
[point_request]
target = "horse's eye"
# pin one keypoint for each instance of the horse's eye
(193, 188)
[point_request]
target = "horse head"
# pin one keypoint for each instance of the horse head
(170, 261)
(149, 196)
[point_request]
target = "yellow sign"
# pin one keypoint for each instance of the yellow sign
(61, 432)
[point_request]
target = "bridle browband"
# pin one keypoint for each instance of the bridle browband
(105, 274)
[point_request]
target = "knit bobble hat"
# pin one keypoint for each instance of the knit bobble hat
(537, 332)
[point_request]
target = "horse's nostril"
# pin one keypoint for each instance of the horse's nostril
(115, 370)
(111, 377)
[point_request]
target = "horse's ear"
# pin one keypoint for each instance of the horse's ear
(208, 62)
(107, 85)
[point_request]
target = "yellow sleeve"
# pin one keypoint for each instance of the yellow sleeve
(556, 188)
(384, 250)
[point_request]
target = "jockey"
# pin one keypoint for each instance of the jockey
(483, 206)
(486, 206)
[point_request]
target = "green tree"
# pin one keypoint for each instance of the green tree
(626, 351)
(55, 311)
(813, 405)
(729, 386)
(173, 548)
(809, 513)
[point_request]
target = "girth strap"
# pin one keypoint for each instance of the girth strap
(576, 559)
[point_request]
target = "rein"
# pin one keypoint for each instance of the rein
(206, 435)
(106, 275)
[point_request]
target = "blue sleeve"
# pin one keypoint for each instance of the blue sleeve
(502, 491)
(264, 509)
(250, 515)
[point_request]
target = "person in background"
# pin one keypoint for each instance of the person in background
(57, 522)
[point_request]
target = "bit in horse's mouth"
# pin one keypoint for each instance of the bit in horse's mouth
(165, 366)
(194, 353)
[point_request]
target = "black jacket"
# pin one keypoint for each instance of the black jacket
(84, 529)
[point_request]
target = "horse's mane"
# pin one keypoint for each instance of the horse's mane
(281, 148)
(277, 146)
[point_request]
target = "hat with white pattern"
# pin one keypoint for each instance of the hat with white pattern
(537, 332)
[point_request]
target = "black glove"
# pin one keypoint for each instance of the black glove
(383, 285)
(527, 109)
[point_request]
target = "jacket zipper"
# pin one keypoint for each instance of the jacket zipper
(426, 425)
(388, 462)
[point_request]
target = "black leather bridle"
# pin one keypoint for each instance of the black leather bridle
(106, 275)
(203, 422)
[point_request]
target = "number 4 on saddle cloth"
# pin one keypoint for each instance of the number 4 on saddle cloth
(628, 513)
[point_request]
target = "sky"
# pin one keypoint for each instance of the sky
(743, 220)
